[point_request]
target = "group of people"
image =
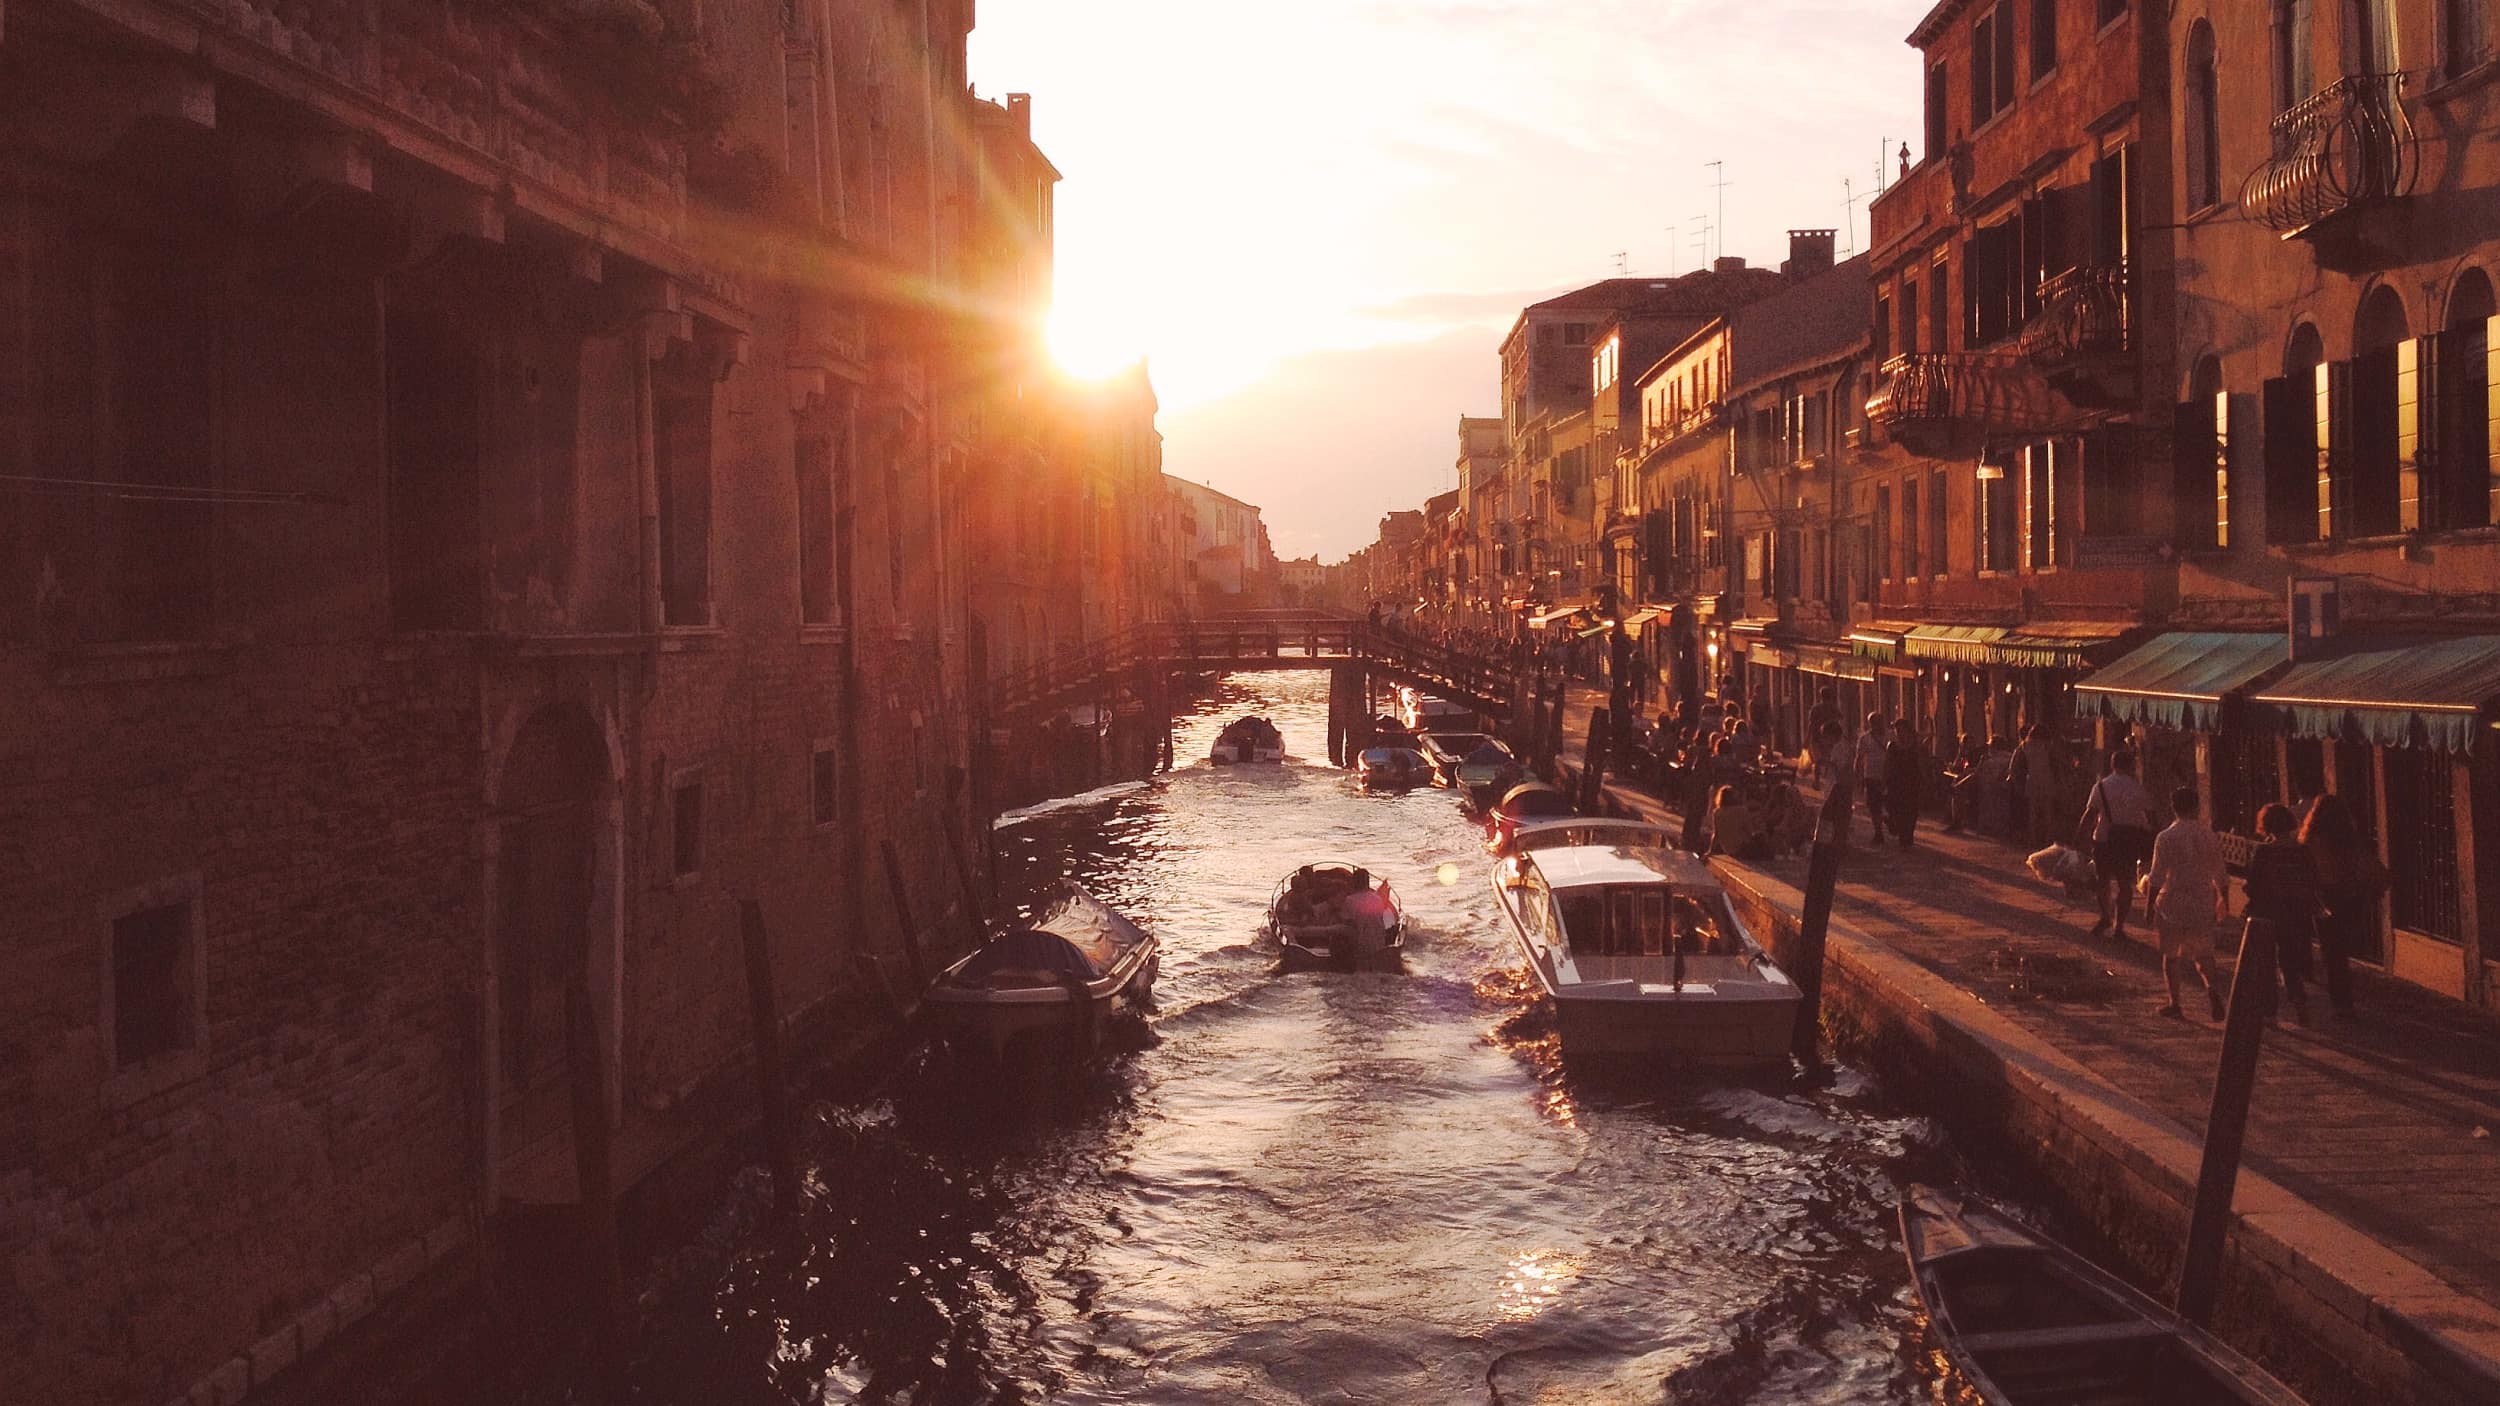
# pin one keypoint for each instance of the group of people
(2312, 886)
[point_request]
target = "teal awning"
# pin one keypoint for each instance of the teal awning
(2178, 680)
(2392, 692)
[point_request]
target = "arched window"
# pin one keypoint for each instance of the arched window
(2204, 125)
(2464, 34)
(2295, 73)
(2292, 441)
(2464, 459)
(2202, 498)
(2377, 483)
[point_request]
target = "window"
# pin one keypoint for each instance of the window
(1998, 531)
(1883, 532)
(1939, 90)
(1993, 287)
(2464, 34)
(1883, 329)
(2463, 425)
(1938, 524)
(154, 994)
(1913, 562)
(2372, 30)
(2204, 121)
(122, 392)
(2043, 37)
(824, 798)
(1909, 317)
(2422, 853)
(2292, 446)
(685, 813)
(1939, 305)
(1991, 64)
(2295, 74)
(2040, 544)
(819, 600)
(681, 451)
(1576, 334)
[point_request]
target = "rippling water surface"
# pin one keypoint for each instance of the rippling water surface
(1307, 1188)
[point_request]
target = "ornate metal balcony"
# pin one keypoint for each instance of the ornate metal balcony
(1926, 398)
(2086, 314)
(2348, 145)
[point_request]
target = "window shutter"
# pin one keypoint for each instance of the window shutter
(2417, 433)
(2291, 461)
(2005, 57)
(2332, 405)
(2193, 496)
(2222, 470)
(2491, 418)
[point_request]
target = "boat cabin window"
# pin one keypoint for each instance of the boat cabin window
(1641, 920)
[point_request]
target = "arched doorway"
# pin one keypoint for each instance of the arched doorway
(553, 888)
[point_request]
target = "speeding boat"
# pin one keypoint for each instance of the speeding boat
(1635, 943)
(1073, 965)
(1526, 804)
(2030, 1322)
(1247, 740)
(1385, 768)
(1336, 915)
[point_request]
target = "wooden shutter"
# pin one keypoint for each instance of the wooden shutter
(2417, 434)
(2222, 470)
(2192, 501)
(2005, 57)
(2291, 461)
(2331, 403)
(2491, 418)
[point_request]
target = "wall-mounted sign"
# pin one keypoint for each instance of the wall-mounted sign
(2316, 611)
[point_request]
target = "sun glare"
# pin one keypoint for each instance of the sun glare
(1089, 345)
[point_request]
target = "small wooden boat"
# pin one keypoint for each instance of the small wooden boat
(1336, 915)
(1386, 768)
(1247, 740)
(2031, 1322)
(1526, 804)
(1424, 714)
(1478, 766)
(1073, 965)
(1637, 946)
(1387, 731)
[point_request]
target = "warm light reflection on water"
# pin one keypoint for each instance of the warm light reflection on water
(1296, 1188)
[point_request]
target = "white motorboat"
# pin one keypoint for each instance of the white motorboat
(1525, 804)
(1636, 944)
(1388, 768)
(1068, 969)
(1247, 740)
(1336, 915)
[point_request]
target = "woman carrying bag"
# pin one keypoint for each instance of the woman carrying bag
(2283, 895)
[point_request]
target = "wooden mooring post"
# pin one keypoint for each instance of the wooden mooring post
(780, 1150)
(2226, 1128)
(1805, 966)
(1593, 762)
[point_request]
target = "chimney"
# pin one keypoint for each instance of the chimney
(1020, 107)
(1809, 252)
(1728, 263)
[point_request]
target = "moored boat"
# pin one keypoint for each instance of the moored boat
(1336, 915)
(1073, 965)
(1388, 767)
(2030, 1322)
(1247, 740)
(1527, 803)
(1637, 946)
(1478, 766)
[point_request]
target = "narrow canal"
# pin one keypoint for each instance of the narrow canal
(1308, 1188)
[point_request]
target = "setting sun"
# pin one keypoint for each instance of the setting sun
(1091, 342)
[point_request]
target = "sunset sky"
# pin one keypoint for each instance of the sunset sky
(1316, 218)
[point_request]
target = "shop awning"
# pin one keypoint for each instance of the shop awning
(1833, 664)
(1633, 622)
(2178, 680)
(1772, 656)
(1555, 615)
(1880, 639)
(1594, 631)
(2394, 692)
(2061, 644)
(1963, 644)
(1752, 627)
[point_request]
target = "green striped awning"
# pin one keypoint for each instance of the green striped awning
(2392, 692)
(2179, 680)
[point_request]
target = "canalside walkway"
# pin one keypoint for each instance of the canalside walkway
(2389, 1124)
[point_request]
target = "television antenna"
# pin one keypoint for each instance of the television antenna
(1719, 184)
(1849, 212)
(1623, 262)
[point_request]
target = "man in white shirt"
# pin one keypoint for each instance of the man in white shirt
(2118, 821)
(2188, 894)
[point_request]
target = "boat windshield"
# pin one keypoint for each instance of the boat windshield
(1636, 920)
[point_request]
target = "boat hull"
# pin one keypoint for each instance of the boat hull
(1711, 1030)
(996, 1021)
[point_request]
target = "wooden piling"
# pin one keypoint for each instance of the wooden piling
(2226, 1128)
(780, 1149)
(902, 914)
(594, 1168)
(1593, 761)
(1805, 965)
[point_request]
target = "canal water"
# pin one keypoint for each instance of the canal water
(1310, 1188)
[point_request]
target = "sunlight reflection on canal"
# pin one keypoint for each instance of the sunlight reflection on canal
(1309, 1188)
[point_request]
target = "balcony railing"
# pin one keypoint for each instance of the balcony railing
(2085, 314)
(2347, 145)
(1928, 391)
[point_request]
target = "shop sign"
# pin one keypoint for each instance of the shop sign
(2113, 552)
(2317, 609)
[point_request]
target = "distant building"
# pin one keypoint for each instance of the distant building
(1233, 562)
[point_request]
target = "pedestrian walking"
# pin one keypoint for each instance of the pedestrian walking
(2350, 880)
(2035, 775)
(1868, 757)
(2188, 894)
(2118, 823)
(1905, 781)
(2283, 895)
(1823, 730)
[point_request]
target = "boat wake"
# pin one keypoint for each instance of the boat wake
(1053, 806)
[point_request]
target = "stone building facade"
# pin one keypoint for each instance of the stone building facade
(486, 488)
